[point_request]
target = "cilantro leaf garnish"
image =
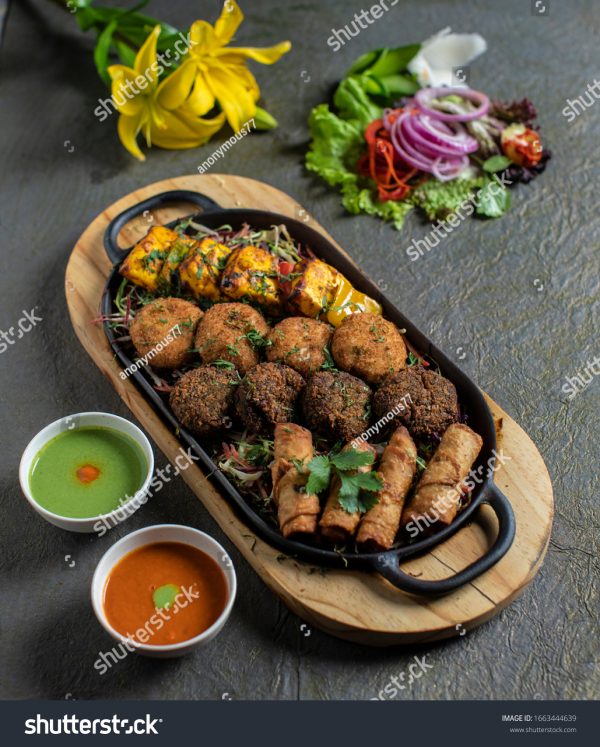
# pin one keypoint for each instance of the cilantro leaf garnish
(352, 459)
(357, 489)
(320, 473)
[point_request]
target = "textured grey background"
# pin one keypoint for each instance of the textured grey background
(519, 296)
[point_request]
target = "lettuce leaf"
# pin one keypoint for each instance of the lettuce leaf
(354, 105)
(357, 199)
(335, 148)
(440, 199)
(337, 144)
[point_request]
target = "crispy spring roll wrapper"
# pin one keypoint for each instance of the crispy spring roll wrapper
(379, 526)
(291, 441)
(439, 489)
(297, 510)
(337, 524)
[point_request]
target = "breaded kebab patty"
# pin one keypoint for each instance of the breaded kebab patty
(163, 332)
(231, 332)
(368, 346)
(429, 401)
(202, 399)
(300, 343)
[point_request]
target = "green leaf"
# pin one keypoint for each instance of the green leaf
(496, 163)
(440, 199)
(102, 50)
(165, 596)
(493, 199)
(352, 459)
(357, 199)
(394, 60)
(86, 18)
(320, 473)
(335, 147)
(350, 495)
(421, 463)
(363, 62)
(125, 52)
(354, 104)
(372, 85)
(400, 85)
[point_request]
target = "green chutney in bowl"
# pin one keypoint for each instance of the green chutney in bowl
(87, 472)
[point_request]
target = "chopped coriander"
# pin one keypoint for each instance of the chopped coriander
(329, 364)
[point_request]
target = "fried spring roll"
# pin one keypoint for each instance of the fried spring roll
(291, 442)
(337, 524)
(379, 526)
(297, 510)
(438, 492)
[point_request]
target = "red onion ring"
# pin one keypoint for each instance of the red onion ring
(424, 96)
(422, 135)
(437, 149)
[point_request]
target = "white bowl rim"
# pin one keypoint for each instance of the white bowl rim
(228, 572)
(80, 521)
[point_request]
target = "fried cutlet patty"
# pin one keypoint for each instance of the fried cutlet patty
(300, 343)
(231, 332)
(426, 401)
(337, 405)
(368, 346)
(202, 399)
(163, 331)
(268, 395)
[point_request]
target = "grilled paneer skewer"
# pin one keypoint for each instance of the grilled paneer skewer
(144, 262)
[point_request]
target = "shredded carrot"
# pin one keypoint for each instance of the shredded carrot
(380, 162)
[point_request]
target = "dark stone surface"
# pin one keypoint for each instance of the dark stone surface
(519, 296)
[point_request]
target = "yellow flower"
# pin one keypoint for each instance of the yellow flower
(221, 71)
(155, 108)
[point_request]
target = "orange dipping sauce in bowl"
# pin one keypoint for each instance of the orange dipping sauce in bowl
(164, 593)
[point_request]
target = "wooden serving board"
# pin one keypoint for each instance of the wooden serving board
(354, 605)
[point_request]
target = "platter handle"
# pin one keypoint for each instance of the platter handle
(387, 564)
(115, 253)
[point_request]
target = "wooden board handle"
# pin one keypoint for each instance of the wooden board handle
(389, 568)
(115, 253)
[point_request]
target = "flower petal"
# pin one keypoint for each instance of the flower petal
(201, 99)
(128, 129)
(235, 100)
(174, 89)
(239, 69)
(264, 55)
(145, 61)
(203, 39)
(229, 21)
(442, 54)
(125, 94)
(185, 132)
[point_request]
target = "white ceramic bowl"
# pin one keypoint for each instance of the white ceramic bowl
(147, 536)
(101, 523)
